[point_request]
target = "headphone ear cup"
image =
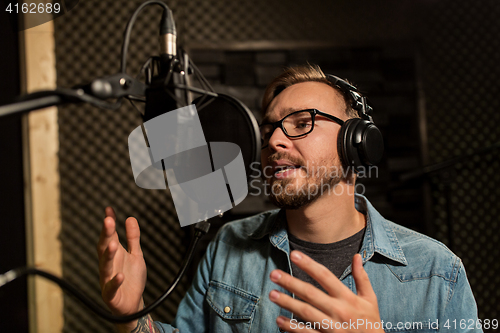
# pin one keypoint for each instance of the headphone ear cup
(360, 144)
(347, 152)
(371, 148)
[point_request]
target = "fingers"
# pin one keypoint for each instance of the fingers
(110, 212)
(133, 236)
(106, 263)
(108, 233)
(305, 291)
(111, 287)
(301, 309)
(363, 285)
(315, 306)
(332, 285)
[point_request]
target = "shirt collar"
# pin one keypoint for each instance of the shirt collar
(275, 227)
(379, 235)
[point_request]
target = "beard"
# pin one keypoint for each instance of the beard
(289, 193)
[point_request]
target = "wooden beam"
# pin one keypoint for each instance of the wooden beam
(41, 145)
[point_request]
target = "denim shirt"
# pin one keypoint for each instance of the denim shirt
(420, 284)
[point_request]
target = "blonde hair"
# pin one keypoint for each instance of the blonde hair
(299, 74)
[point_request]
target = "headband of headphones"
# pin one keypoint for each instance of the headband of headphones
(360, 142)
(358, 102)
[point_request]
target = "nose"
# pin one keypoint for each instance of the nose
(278, 140)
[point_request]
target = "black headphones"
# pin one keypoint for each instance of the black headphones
(360, 143)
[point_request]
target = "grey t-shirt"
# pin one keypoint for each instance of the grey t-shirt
(334, 256)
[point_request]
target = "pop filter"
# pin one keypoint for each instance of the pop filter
(226, 119)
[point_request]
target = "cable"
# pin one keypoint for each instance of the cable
(128, 30)
(201, 229)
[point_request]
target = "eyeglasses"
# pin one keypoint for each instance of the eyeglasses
(294, 125)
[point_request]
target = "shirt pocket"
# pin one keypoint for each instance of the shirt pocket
(233, 306)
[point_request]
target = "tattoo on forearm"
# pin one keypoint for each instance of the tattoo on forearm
(145, 325)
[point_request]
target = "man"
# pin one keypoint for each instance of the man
(366, 274)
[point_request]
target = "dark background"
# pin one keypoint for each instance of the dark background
(430, 70)
(13, 299)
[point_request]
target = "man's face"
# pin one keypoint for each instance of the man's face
(298, 170)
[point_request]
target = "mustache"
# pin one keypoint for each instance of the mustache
(284, 156)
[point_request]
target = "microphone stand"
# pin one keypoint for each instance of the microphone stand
(119, 86)
(115, 86)
(446, 178)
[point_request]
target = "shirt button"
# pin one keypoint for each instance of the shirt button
(364, 254)
(227, 309)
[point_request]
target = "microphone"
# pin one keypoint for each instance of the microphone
(205, 150)
(161, 95)
(168, 35)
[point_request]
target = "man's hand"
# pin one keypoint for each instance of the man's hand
(333, 312)
(122, 273)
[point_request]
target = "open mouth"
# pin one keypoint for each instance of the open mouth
(283, 170)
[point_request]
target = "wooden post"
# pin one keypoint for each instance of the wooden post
(41, 145)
